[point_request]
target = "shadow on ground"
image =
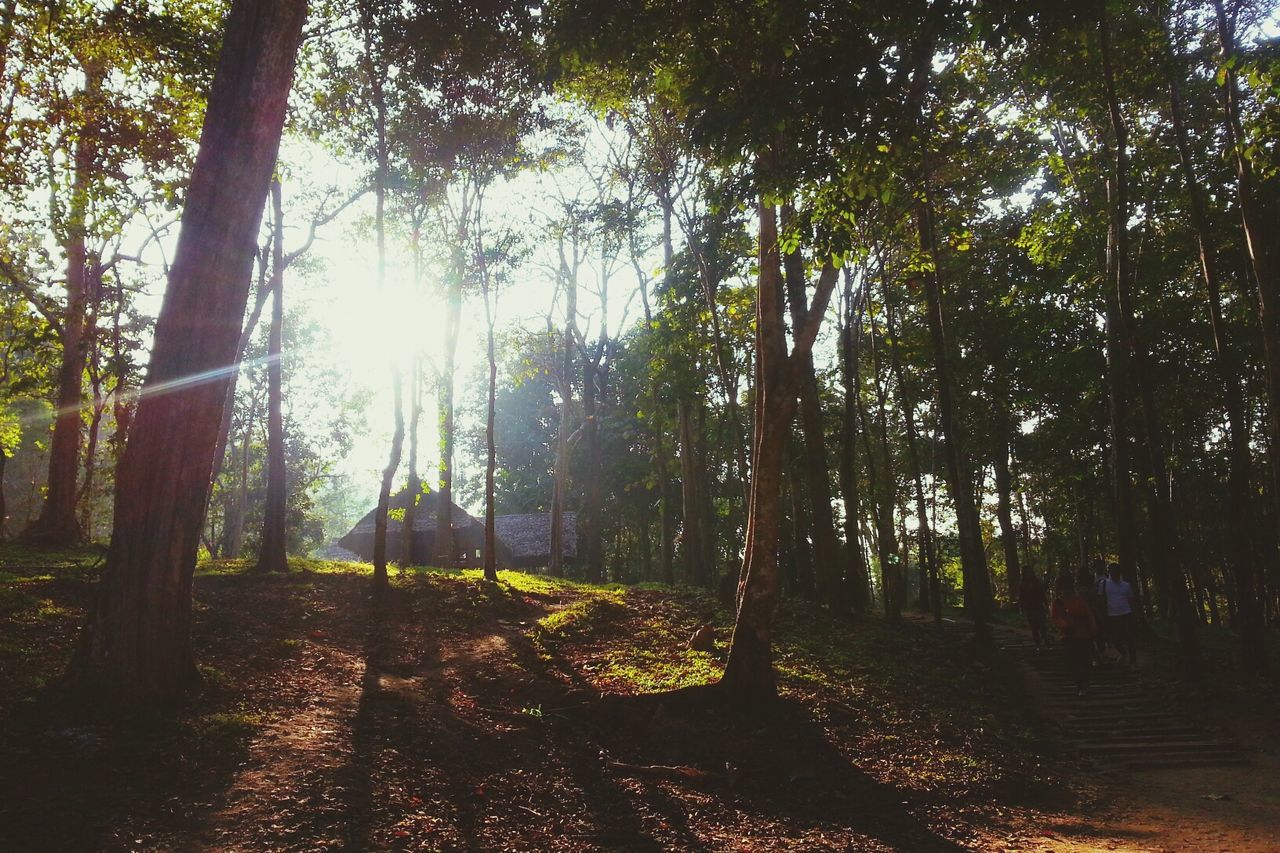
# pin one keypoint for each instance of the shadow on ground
(430, 719)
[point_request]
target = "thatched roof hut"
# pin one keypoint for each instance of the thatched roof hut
(524, 540)
(468, 533)
(528, 538)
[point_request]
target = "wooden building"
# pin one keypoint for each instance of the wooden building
(468, 534)
(524, 540)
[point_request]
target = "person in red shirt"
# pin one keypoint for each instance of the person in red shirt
(1072, 614)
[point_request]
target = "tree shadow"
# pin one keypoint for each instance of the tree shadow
(72, 779)
(457, 762)
(776, 764)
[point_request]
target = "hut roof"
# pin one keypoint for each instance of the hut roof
(424, 515)
(528, 534)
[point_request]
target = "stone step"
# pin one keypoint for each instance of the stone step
(1186, 763)
(1079, 711)
(1095, 690)
(1165, 747)
(1110, 734)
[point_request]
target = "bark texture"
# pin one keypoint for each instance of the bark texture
(272, 556)
(135, 649)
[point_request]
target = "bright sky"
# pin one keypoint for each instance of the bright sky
(363, 330)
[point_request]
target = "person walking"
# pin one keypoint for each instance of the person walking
(1032, 603)
(1073, 617)
(1120, 603)
(1098, 602)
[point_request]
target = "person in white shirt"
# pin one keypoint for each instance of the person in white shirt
(1120, 602)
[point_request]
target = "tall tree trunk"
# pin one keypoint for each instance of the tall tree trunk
(857, 579)
(801, 525)
(236, 504)
(374, 69)
(885, 486)
(4, 508)
(826, 547)
(272, 554)
(135, 649)
(592, 546)
(748, 675)
(446, 552)
(1167, 554)
(1259, 237)
(930, 594)
(973, 559)
(490, 447)
(246, 334)
(1241, 515)
(91, 462)
(699, 569)
(409, 555)
(1004, 491)
(666, 496)
(560, 484)
(57, 524)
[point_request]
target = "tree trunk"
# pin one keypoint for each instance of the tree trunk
(90, 466)
(699, 566)
(272, 554)
(885, 487)
(593, 548)
(1242, 516)
(1164, 540)
(228, 407)
(446, 552)
(491, 450)
(374, 71)
(973, 559)
(856, 579)
(409, 555)
(826, 547)
(802, 528)
(135, 649)
(57, 524)
(234, 528)
(560, 485)
(1004, 502)
(930, 594)
(4, 509)
(748, 675)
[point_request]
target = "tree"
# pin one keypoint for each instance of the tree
(103, 106)
(135, 648)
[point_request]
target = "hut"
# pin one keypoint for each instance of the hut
(468, 533)
(527, 538)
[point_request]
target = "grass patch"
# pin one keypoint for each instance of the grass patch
(221, 732)
(17, 556)
(640, 669)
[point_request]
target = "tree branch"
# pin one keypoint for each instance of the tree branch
(41, 303)
(808, 333)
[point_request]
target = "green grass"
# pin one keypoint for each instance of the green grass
(222, 731)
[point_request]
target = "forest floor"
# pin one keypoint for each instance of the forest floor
(464, 715)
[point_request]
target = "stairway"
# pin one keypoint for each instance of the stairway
(1119, 722)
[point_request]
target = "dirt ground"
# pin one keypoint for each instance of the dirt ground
(459, 716)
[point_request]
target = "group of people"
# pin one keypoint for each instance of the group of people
(1091, 612)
